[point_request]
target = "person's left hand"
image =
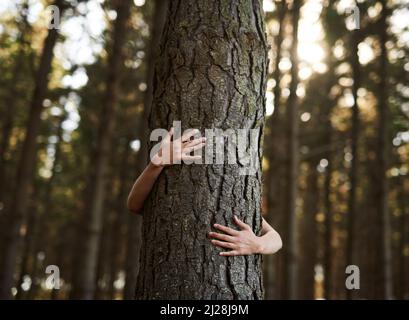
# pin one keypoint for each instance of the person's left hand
(243, 242)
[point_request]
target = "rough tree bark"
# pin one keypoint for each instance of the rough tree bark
(84, 276)
(211, 74)
(26, 164)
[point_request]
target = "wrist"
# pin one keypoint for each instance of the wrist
(259, 245)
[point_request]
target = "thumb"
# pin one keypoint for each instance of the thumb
(241, 224)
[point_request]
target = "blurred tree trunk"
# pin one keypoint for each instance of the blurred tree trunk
(12, 97)
(356, 74)
(90, 231)
(308, 236)
(211, 74)
(403, 292)
(109, 238)
(383, 152)
(62, 247)
(118, 222)
(290, 236)
(134, 236)
(26, 164)
(27, 250)
(102, 265)
(41, 229)
(327, 202)
(132, 255)
(274, 154)
(328, 216)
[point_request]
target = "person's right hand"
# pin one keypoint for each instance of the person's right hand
(174, 152)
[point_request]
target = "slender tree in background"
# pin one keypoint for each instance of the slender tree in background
(403, 286)
(352, 205)
(84, 280)
(11, 97)
(292, 164)
(119, 214)
(211, 74)
(274, 154)
(327, 188)
(37, 236)
(383, 161)
(27, 250)
(26, 165)
(331, 28)
(308, 235)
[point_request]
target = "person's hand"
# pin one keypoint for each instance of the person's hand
(176, 151)
(243, 242)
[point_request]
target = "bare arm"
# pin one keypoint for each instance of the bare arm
(145, 182)
(142, 187)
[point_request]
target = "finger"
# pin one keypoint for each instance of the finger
(168, 135)
(194, 142)
(190, 149)
(190, 133)
(227, 230)
(223, 244)
(186, 157)
(230, 253)
(221, 236)
(241, 224)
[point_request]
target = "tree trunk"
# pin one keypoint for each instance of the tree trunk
(28, 250)
(41, 228)
(84, 275)
(328, 212)
(211, 74)
(132, 255)
(383, 151)
(329, 155)
(354, 152)
(308, 235)
(26, 164)
(118, 221)
(102, 264)
(404, 241)
(274, 154)
(290, 237)
(12, 97)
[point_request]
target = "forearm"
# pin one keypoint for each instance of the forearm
(142, 187)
